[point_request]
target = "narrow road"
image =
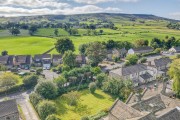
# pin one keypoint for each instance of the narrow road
(23, 100)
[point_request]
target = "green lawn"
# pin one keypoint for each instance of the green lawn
(50, 32)
(88, 104)
(26, 45)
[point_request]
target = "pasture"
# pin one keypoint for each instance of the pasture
(88, 104)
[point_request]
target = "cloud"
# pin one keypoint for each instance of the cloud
(14, 11)
(175, 15)
(34, 3)
(102, 1)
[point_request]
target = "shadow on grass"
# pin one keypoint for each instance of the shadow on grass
(98, 96)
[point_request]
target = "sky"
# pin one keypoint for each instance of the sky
(163, 8)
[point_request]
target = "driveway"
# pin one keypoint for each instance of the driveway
(22, 98)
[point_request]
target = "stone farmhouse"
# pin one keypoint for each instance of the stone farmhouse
(116, 53)
(7, 61)
(9, 110)
(140, 50)
(143, 73)
(22, 61)
(175, 49)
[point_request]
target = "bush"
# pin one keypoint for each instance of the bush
(13, 89)
(142, 60)
(35, 99)
(92, 87)
(178, 56)
(100, 78)
(39, 71)
(46, 108)
(52, 117)
(132, 59)
(46, 89)
(85, 118)
(96, 70)
(30, 81)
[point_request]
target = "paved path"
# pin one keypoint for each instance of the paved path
(23, 100)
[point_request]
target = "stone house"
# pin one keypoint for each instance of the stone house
(175, 49)
(81, 59)
(140, 50)
(116, 53)
(22, 61)
(43, 60)
(9, 110)
(56, 60)
(7, 61)
(159, 67)
(139, 74)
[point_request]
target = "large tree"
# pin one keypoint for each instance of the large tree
(174, 73)
(4, 53)
(69, 59)
(156, 43)
(15, 31)
(96, 53)
(133, 59)
(46, 108)
(140, 43)
(30, 81)
(46, 89)
(56, 32)
(63, 45)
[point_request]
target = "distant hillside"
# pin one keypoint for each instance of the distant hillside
(84, 17)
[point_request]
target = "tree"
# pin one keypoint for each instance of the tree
(92, 87)
(100, 78)
(82, 48)
(96, 70)
(96, 53)
(63, 45)
(132, 59)
(46, 108)
(15, 31)
(4, 53)
(35, 98)
(69, 59)
(60, 82)
(52, 117)
(110, 44)
(7, 80)
(156, 43)
(101, 32)
(174, 73)
(30, 81)
(140, 43)
(33, 29)
(46, 89)
(56, 32)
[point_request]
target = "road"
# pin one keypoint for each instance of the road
(22, 99)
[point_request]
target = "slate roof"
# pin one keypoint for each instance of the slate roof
(161, 62)
(146, 76)
(139, 49)
(130, 69)
(8, 107)
(177, 48)
(56, 57)
(173, 114)
(4, 59)
(122, 111)
(23, 59)
(152, 104)
(42, 56)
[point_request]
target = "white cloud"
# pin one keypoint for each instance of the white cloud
(13, 11)
(102, 1)
(34, 3)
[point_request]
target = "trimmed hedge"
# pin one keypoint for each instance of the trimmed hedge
(13, 89)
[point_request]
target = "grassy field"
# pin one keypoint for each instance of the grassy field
(26, 45)
(88, 104)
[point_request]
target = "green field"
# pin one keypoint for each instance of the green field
(88, 104)
(26, 45)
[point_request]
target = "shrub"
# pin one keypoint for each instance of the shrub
(92, 87)
(132, 59)
(142, 60)
(96, 70)
(85, 118)
(39, 71)
(52, 117)
(35, 98)
(100, 78)
(30, 81)
(46, 89)
(178, 56)
(46, 108)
